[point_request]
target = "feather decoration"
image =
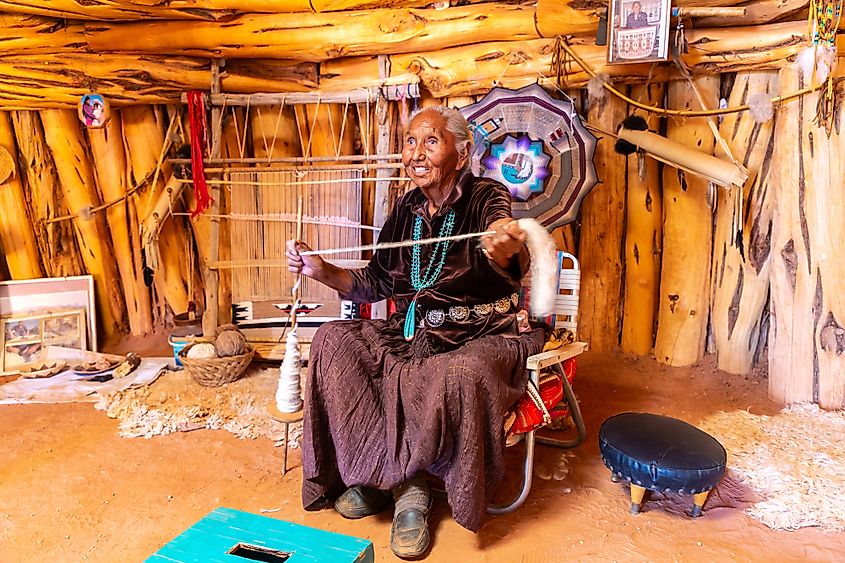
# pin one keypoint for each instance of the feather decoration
(760, 106)
(595, 88)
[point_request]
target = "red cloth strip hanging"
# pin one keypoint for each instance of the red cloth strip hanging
(196, 117)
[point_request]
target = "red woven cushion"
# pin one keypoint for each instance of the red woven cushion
(528, 415)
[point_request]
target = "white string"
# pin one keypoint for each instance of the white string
(397, 244)
(339, 144)
(275, 132)
(331, 221)
(302, 182)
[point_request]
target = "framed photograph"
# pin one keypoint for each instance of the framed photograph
(639, 31)
(93, 110)
(25, 337)
(29, 298)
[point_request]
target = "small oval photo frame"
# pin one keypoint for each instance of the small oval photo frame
(93, 110)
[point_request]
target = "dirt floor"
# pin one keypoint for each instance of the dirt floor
(72, 490)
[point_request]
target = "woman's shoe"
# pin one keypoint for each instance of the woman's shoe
(409, 538)
(358, 502)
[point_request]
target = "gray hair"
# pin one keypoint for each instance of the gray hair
(456, 124)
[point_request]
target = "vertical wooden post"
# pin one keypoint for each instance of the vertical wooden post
(381, 206)
(687, 234)
(18, 239)
(57, 245)
(807, 338)
(740, 283)
(602, 220)
(210, 276)
(109, 157)
(143, 137)
(791, 370)
(63, 134)
(643, 238)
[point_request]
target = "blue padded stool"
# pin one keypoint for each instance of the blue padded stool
(660, 453)
(231, 536)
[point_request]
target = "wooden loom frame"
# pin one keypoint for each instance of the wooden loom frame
(387, 89)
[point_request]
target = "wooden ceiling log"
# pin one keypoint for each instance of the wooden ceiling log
(36, 81)
(125, 10)
(208, 10)
(758, 12)
(319, 37)
(35, 34)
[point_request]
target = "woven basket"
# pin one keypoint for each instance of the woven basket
(214, 372)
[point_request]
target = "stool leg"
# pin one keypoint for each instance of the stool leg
(637, 494)
(698, 503)
(285, 455)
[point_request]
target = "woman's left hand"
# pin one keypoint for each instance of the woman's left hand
(507, 240)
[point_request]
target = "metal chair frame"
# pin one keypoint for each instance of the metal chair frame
(566, 310)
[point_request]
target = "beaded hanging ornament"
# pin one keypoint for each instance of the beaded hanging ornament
(820, 57)
(421, 281)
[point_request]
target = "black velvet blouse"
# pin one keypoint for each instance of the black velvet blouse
(473, 296)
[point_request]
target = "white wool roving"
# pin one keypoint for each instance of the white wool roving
(543, 252)
(826, 60)
(760, 106)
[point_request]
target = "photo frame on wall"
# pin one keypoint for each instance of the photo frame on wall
(25, 338)
(638, 31)
(93, 110)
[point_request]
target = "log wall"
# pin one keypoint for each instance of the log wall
(661, 270)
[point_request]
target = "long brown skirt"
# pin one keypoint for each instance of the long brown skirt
(379, 410)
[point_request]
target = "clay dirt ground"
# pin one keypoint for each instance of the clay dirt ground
(72, 490)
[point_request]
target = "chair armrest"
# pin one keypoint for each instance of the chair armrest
(552, 357)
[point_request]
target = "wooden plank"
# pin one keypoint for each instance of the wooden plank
(214, 536)
(552, 357)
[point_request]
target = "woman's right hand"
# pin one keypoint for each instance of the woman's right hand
(311, 266)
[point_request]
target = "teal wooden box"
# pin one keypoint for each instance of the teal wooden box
(231, 536)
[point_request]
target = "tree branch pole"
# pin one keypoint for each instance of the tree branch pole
(212, 277)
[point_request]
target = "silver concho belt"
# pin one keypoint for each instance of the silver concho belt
(435, 317)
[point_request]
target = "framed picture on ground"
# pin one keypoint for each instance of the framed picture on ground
(24, 338)
(639, 31)
(27, 298)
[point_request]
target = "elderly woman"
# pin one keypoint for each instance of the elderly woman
(425, 391)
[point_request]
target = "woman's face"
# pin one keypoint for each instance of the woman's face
(429, 154)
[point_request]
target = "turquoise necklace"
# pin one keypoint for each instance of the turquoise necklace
(435, 265)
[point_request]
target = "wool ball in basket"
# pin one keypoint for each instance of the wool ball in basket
(230, 343)
(202, 351)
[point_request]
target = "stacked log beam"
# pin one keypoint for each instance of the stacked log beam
(141, 76)
(109, 156)
(319, 37)
(64, 137)
(39, 81)
(17, 238)
(741, 279)
(602, 231)
(687, 231)
(57, 245)
(211, 10)
(643, 238)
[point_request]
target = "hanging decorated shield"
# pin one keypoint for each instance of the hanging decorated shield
(538, 147)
